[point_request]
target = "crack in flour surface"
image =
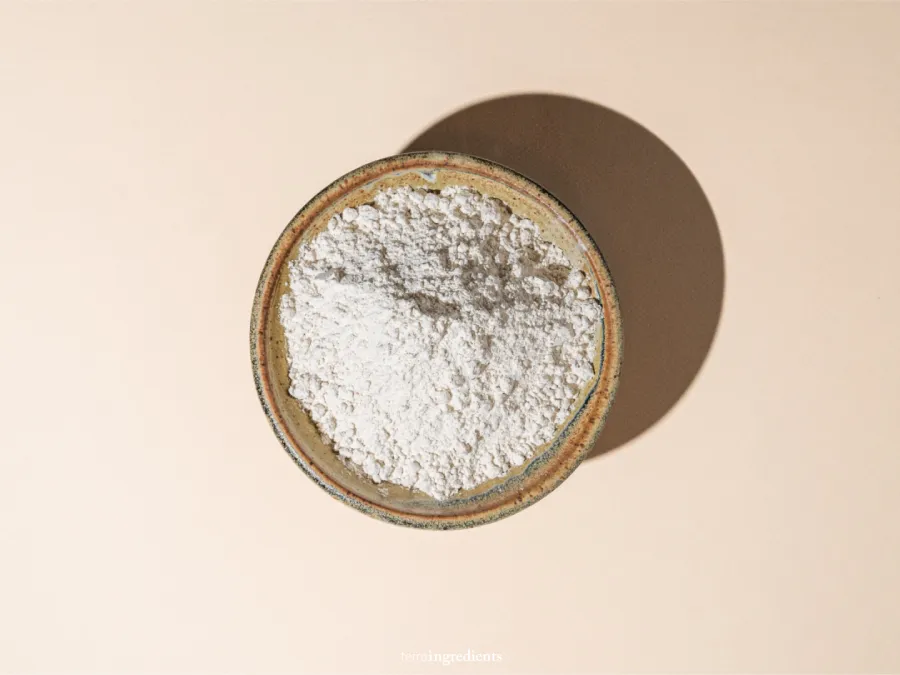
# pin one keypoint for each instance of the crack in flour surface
(435, 339)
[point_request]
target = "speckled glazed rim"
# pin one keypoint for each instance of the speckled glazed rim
(570, 447)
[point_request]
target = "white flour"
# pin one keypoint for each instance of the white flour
(435, 339)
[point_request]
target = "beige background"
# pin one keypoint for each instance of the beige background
(149, 520)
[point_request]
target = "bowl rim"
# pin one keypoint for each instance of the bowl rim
(608, 377)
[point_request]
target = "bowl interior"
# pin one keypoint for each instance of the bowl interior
(550, 463)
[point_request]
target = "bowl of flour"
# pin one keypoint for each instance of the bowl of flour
(436, 340)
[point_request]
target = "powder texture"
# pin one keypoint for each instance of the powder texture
(435, 339)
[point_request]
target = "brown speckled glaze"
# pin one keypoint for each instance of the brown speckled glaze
(550, 464)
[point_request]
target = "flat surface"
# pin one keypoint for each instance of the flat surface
(149, 158)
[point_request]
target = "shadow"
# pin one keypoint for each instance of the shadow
(648, 215)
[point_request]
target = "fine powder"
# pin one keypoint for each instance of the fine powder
(435, 339)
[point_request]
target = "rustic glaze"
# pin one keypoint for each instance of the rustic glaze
(550, 464)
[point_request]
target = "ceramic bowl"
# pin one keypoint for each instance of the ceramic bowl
(550, 464)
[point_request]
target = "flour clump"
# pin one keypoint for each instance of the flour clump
(435, 339)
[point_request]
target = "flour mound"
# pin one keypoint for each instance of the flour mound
(435, 339)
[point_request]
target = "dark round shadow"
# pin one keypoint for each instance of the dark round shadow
(648, 215)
